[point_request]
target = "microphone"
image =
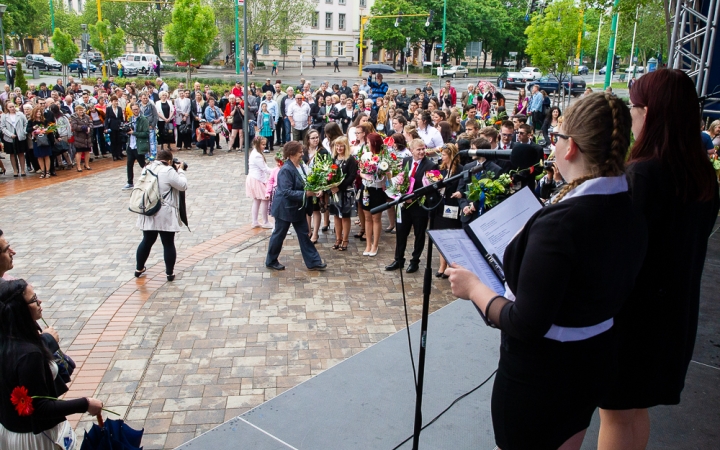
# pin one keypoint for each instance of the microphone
(505, 154)
(521, 156)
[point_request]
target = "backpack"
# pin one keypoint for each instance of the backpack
(145, 197)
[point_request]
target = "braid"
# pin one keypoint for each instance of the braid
(620, 141)
(570, 186)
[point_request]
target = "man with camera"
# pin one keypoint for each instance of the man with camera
(138, 132)
(206, 137)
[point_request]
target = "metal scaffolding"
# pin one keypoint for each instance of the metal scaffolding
(692, 42)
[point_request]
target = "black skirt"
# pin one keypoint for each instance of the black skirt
(13, 148)
(165, 136)
(375, 197)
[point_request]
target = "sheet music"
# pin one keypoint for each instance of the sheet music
(457, 247)
(497, 227)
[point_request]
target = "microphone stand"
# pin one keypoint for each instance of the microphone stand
(427, 285)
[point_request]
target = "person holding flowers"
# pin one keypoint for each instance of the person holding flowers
(373, 171)
(256, 182)
(447, 215)
(311, 153)
(43, 140)
(343, 195)
(31, 416)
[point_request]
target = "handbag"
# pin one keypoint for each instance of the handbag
(183, 128)
(65, 364)
(42, 140)
(168, 127)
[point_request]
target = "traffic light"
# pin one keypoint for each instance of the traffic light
(232, 47)
(300, 49)
(616, 63)
(430, 18)
(88, 48)
(398, 19)
(445, 58)
(533, 6)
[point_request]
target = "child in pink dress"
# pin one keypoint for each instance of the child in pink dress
(272, 181)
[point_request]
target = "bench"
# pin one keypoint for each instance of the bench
(622, 77)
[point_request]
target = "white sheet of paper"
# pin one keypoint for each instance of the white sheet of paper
(497, 227)
(457, 247)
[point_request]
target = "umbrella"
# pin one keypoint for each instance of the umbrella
(378, 68)
(112, 435)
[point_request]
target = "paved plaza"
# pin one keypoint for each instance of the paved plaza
(228, 334)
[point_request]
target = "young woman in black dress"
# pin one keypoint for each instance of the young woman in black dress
(675, 188)
(373, 195)
(446, 215)
(342, 197)
(569, 271)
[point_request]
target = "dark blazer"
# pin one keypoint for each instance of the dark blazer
(488, 166)
(346, 120)
(425, 165)
(113, 118)
(60, 89)
(289, 195)
(194, 114)
(349, 168)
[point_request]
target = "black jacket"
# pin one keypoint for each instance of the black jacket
(113, 120)
(488, 166)
(425, 165)
(194, 114)
(345, 121)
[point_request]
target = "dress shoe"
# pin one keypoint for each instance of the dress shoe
(395, 265)
(275, 265)
(413, 267)
(318, 267)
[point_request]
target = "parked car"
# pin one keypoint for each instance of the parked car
(583, 70)
(550, 83)
(11, 61)
(193, 63)
(130, 68)
(511, 63)
(73, 66)
(631, 69)
(94, 57)
(603, 70)
(145, 60)
(42, 62)
(454, 71)
(519, 79)
(531, 73)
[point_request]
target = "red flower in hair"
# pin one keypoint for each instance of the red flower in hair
(389, 141)
(22, 401)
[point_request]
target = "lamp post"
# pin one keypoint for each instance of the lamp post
(84, 42)
(2, 32)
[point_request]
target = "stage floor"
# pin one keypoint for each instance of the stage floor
(367, 401)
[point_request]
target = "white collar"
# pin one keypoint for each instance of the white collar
(599, 186)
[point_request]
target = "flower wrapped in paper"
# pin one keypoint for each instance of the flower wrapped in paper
(399, 184)
(324, 175)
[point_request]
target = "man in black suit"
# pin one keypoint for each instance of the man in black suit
(287, 209)
(469, 210)
(59, 87)
(414, 216)
(11, 73)
(525, 136)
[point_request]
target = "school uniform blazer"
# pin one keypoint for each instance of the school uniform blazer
(425, 165)
(287, 203)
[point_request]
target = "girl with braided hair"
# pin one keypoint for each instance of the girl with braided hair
(26, 362)
(674, 187)
(558, 341)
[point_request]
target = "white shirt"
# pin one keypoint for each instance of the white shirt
(258, 168)
(431, 136)
(300, 114)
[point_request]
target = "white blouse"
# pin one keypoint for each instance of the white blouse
(258, 167)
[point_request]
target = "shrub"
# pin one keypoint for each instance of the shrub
(20, 78)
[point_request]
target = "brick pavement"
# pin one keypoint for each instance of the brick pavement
(180, 358)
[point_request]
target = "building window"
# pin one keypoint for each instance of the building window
(266, 48)
(341, 48)
(314, 48)
(328, 20)
(328, 1)
(341, 2)
(328, 48)
(315, 19)
(363, 3)
(341, 21)
(80, 7)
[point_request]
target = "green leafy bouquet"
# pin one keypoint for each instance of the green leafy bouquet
(490, 192)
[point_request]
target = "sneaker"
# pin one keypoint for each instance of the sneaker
(266, 151)
(128, 187)
(268, 226)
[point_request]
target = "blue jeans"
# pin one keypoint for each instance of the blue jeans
(288, 129)
(153, 144)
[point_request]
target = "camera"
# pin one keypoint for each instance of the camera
(176, 162)
(125, 127)
(549, 164)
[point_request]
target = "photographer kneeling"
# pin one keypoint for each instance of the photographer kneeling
(167, 221)
(138, 131)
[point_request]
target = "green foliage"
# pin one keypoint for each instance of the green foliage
(192, 32)
(142, 22)
(383, 32)
(106, 39)
(20, 80)
(269, 21)
(64, 49)
(553, 37)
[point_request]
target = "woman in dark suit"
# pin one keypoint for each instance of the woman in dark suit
(674, 187)
(347, 115)
(558, 347)
(114, 117)
(287, 209)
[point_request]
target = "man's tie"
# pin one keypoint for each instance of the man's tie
(412, 176)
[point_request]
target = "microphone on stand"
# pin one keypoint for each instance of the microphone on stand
(521, 156)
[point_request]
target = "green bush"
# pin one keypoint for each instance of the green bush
(18, 53)
(20, 78)
(261, 64)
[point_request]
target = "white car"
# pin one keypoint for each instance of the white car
(455, 71)
(530, 73)
(510, 63)
(631, 69)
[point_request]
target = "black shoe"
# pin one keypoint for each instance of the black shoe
(395, 265)
(211, 153)
(438, 274)
(275, 265)
(171, 277)
(413, 267)
(321, 266)
(218, 148)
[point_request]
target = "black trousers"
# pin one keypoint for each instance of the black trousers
(418, 223)
(207, 144)
(132, 156)
(183, 140)
(115, 144)
(309, 252)
(279, 132)
(169, 252)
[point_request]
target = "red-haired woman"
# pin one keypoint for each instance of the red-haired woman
(675, 188)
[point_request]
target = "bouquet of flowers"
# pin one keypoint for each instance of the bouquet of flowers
(431, 176)
(715, 163)
(324, 175)
(400, 183)
(39, 130)
(489, 192)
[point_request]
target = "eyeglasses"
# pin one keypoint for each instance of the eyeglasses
(506, 134)
(522, 133)
(554, 137)
(34, 299)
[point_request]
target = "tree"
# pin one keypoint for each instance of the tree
(383, 32)
(141, 22)
(553, 37)
(64, 49)
(19, 18)
(192, 31)
(106, 39)
(20, 78)
(269, 21)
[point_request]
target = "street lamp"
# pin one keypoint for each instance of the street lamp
(5, 64)
(84, 42)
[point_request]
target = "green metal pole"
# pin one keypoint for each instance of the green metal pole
(237, 38)
(52, 17)
(443, 41)
(611, 47)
